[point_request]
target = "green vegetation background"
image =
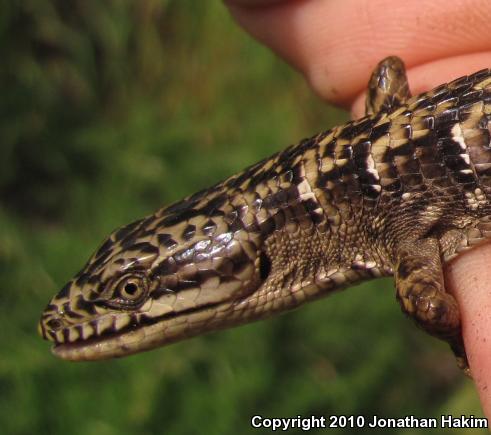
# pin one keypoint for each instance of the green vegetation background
(110, 110)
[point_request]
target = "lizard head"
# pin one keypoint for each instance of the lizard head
(158, 280)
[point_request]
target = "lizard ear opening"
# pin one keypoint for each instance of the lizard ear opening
(264, 266)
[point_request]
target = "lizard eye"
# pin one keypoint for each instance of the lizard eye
(130, 291)
(130, 288)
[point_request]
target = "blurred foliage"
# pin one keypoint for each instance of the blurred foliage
(111, 109)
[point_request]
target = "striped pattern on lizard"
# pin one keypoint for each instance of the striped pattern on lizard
(398, 192)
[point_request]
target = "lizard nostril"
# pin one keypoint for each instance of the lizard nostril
(54, 324)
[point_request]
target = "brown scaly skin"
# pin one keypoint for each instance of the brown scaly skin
(399, 192)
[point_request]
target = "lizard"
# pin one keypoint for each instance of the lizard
(399, 192)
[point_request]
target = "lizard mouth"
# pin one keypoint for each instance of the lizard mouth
(98, 348)
(88, 342)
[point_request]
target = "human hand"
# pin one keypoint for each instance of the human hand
(336, 45)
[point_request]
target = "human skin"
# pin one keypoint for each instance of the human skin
(336, 44)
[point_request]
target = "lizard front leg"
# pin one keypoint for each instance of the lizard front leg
(388, 87)
(422, 295)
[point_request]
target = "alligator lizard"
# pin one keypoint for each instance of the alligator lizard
(399, 192)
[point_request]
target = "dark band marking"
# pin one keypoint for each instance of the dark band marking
(209, 227)
(355, 128)
(166, 240)
(189, 232)
(379, 131)
(127, 230)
